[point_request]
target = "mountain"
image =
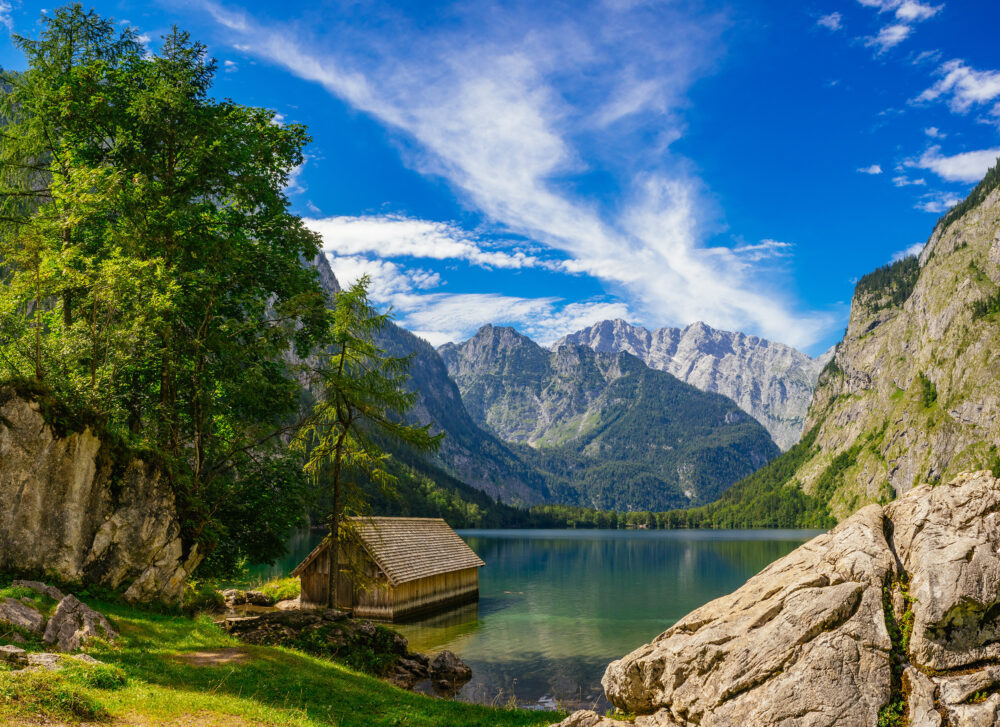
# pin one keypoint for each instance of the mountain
(912, 393)
(469, 455)
(604, 425)
(770, 381)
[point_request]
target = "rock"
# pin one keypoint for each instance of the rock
(920, 691)
(289, 604)
(16, 638)
(45, 662)
(805, 641)
(409, 670)
(74, 624)
(806, 635)
(256, 598)
(770, 381)
(448, 672)
(587, 718)
(21, 615)
(51, 591)
(234, 597)
(61, 514)
(13, 655)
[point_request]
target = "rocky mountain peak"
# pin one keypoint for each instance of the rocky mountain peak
(770, 381)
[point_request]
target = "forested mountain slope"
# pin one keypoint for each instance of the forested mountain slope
(912, 394)
(770, 381)
(605, 426)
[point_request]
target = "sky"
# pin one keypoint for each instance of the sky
(547, 165)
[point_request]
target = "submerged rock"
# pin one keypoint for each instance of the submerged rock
(806, 641)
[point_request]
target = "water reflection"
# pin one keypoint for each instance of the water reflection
(556, 606)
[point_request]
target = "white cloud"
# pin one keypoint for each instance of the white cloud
(5, 18)
(962, 86)
(502, 111)
(904, 181)
(833, 21)
(873, 169)
(969, 166)
(889, 37)
(910, 11)
(230, 66)
(396, 236)
(764, 250)
(913, 249)
(938, 202)
(441, 317)
(934, 132)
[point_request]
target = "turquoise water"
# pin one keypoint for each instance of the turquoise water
(556, 606)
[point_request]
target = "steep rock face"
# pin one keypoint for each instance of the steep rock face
(913, 392)
(604, 425)
(472, 455)
(807, 640)
(770, 381)
(67, 511)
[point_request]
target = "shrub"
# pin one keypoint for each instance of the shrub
(201, 596)
(281, 589)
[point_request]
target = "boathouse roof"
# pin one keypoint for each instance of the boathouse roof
(408, 548)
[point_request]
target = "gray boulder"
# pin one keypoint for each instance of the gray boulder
(13, 655)
(21, 615)
(806, 641)
(74, 624)
(448, 672)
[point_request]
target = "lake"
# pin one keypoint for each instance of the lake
(556, 606)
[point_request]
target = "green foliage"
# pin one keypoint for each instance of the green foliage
(152, 272)
(375, 654)
(988, 183)
(97, 676)
(201, 596)
(364, 391)
(41, 692)
(281, 589)
(926, 391)
(893, 713)
(888, 286)
(986, 306)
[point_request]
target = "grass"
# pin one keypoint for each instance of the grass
(145, 681)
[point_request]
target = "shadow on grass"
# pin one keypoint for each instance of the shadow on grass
(280, 679)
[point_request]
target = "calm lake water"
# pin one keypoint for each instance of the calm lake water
(556, 606)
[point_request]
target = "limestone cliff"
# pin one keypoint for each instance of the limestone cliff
(71, 512)
(770, 381)
(913, 391)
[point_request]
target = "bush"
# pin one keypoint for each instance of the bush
(201, 596)
(281, 589)
(97, 676)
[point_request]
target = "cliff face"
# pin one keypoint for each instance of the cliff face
(69, 513)
(913, 392)
(604, 425)
(770, 381)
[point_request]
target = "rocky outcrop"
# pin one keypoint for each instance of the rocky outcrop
(815, 639)
(634, 438)
(770, 381)
(73, 512)
(913, 392)
(21, 615)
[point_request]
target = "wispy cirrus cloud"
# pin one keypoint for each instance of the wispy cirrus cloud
(833, 21)
(511, 108)
(398, 236)
(906, 13)
(873, 169)
(962, 87)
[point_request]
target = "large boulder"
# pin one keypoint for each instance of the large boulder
(807, 640)
(74, 624)
(22, 615)
(73, 510)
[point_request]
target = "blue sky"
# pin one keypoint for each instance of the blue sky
(548, 165)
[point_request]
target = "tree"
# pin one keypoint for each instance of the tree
(364, 398)
(151, 270)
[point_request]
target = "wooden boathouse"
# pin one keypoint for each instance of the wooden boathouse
(394, 567)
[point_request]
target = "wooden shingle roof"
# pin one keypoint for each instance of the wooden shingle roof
(409, 548)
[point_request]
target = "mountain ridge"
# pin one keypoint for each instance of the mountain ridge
(771, 381)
